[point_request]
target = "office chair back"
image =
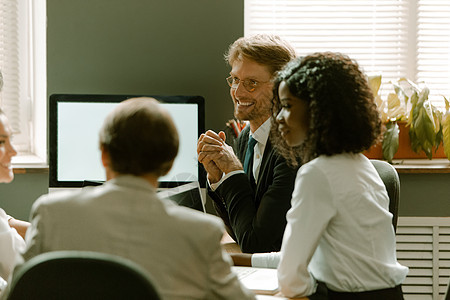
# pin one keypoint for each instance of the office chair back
(80, 275)
(391, 180)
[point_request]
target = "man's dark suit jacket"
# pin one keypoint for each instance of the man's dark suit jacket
(256, 218)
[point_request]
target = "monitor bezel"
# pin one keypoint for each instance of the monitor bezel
(54, 99)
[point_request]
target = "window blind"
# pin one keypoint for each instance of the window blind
(395, 38)
(14, 64)
(433, 46)
(9, 61)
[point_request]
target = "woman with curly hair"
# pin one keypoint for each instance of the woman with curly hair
(339, 228)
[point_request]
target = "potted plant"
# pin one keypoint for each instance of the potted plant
(408, 107)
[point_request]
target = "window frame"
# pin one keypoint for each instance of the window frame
(32, 150)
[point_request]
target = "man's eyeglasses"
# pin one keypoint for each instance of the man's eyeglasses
(250, 85)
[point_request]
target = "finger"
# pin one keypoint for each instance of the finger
(222, 136)
(216, 140)
(210, 132)
(212, 135)
(207, 140)
(208, 148)
(200, 143)
(205, 157)
(200, 138)
(211, 148)
(202, 158)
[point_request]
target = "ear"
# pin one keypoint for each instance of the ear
(106, 161)
(105, 157)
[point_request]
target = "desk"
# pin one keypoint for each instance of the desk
(278, 297)
(231, 247)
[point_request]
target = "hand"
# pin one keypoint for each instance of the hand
(20, 226)
(213, 172)
(212, 146)
(242, 259)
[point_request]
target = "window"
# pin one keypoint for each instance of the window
(22, 62)
(397, 38)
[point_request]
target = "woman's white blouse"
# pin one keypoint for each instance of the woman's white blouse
(339, 229)
(11, 244)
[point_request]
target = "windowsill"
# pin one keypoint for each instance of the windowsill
(34, 164)
(422, 166)
(29, 164)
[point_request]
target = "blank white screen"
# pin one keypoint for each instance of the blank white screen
(79, 123)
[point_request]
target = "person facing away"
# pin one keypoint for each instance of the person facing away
(12, 231)
(252, 203)
(179, 247)
(339, 229)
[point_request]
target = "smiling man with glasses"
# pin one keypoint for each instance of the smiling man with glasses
(251, 189)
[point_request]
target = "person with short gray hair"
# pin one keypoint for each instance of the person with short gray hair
(179, 247)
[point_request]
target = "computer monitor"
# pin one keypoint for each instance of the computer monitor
(75, 122)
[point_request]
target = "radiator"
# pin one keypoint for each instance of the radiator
(423, 244)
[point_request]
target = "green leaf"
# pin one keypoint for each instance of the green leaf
(415, 144)
(439, 138)
(447, 104)
(390, 141)
(423, 133)
(415, 106)
(423, 98)
(400, 92)
(375, 83)
(423, 95)
(446, 134)
(424, 127)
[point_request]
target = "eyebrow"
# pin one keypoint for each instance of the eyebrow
(248, 78)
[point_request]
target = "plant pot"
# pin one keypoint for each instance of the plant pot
(404, 148)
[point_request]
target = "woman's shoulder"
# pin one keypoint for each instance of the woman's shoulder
(330, 166)
(338, 160)
(3, 214)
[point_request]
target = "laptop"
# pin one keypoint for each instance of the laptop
(188, 195)
(259, 280)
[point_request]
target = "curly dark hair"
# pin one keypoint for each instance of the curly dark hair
(343, 114)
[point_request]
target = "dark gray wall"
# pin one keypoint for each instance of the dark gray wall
(162, 47)
(17, 197)
(144, 47)
(166, 47)
(424, 195)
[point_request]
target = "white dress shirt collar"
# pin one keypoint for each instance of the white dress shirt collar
(261, 135)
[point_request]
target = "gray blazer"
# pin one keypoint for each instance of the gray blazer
(179, 247)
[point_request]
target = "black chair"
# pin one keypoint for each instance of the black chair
(80, 275)
(447, 293)
(391, 180)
